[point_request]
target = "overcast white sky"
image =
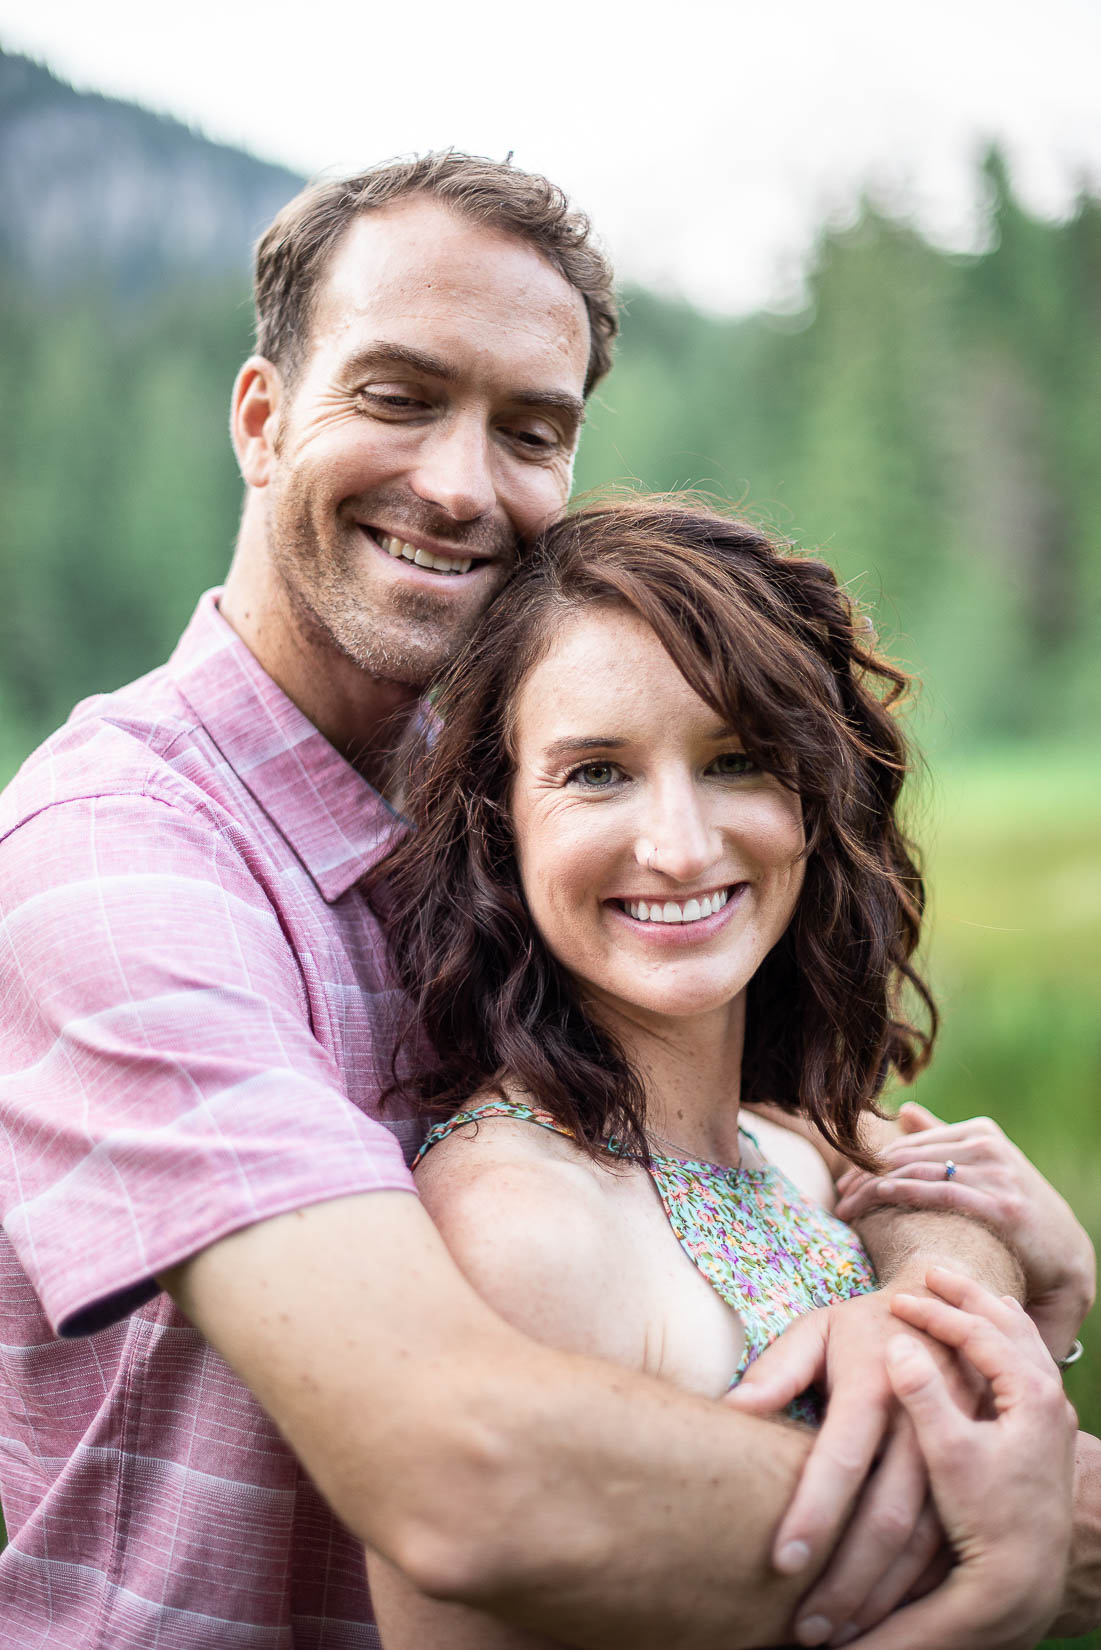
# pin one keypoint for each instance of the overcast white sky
(706, 137)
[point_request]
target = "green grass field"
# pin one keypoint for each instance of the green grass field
(1014, 859)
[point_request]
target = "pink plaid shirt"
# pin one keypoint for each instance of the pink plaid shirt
(196, 1017)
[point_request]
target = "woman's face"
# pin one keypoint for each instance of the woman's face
(659, 865)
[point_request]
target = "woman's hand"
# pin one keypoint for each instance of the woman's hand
(995, 1182)
(1003, 1487)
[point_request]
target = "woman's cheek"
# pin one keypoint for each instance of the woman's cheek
(782, 829)
(569, 870)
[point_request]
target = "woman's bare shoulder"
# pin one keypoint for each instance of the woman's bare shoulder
(794, 1146)
(483, 1164)
(536, 1224)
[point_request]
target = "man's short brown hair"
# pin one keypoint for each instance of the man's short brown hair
(291, 257)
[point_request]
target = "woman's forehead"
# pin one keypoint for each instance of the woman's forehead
(606, 672)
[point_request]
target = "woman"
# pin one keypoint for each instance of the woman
(657, 874)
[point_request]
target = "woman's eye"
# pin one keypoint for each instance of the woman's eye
(595, 776)
(734, 762)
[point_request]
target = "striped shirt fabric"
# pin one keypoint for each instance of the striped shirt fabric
(195, 1020)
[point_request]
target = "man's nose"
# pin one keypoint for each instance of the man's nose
(455, 470)
(677, 839)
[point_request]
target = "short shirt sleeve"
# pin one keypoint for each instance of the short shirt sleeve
(160, 1083)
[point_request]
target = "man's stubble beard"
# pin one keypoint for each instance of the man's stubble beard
(409, 642)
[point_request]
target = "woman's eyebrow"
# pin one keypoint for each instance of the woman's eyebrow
(568, 746)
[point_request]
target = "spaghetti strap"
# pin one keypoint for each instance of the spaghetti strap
(491, 1108)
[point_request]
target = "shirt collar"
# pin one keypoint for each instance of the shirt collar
(337, 824)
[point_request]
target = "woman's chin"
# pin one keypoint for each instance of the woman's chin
(664, 1000)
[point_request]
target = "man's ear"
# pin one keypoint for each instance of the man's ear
(254, 418)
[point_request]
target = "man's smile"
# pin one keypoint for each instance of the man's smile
(425, 558)
(430, 558)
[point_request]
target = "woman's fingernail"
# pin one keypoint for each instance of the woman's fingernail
(813, 1630)
(792, 1557)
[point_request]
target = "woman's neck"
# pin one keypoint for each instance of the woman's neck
(691, 1070)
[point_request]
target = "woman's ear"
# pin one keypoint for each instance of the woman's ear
(254, 419)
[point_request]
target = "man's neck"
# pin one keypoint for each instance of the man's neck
(364, 717)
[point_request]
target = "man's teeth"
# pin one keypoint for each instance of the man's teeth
(669, 911)
(424, 558)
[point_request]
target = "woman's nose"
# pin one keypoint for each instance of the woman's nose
(677, 839)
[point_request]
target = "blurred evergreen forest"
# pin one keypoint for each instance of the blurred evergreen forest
(929, 420)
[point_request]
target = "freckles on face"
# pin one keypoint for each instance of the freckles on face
(630, 796)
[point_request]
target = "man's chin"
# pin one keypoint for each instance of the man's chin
(407, 662)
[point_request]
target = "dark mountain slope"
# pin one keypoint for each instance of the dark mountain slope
(94, 191)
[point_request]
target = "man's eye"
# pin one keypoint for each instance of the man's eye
(537, 438)
(732, 763)
(595, 776)
(393, 400)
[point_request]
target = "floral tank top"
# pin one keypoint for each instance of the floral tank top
(768, 1250)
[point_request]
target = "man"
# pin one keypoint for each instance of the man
(198, 1020)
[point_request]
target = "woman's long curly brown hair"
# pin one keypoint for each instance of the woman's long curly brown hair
(769, 641)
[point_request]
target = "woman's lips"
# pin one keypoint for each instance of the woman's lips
(681, 929)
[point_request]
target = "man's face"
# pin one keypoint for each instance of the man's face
(435, 415)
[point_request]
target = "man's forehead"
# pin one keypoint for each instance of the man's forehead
(418, 262)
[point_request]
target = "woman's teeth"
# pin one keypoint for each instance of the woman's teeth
(424, 558)
(669, 911)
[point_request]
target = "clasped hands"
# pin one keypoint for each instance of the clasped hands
(949, 1388)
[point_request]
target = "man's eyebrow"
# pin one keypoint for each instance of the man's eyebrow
(570, 746)
(383, 354)
(555, 401)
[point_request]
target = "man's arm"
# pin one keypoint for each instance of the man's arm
(562, 1494)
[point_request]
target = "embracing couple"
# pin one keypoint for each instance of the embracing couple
(389, 1190)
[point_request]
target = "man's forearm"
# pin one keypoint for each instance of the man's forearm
(902, 1243)
(662, 1531)
(559, 1493)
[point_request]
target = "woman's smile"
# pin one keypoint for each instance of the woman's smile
(683, 921)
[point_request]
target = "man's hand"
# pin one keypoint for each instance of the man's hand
(1003, 1487)
(994, 1182)
(866, 1458)
(872, 1568)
